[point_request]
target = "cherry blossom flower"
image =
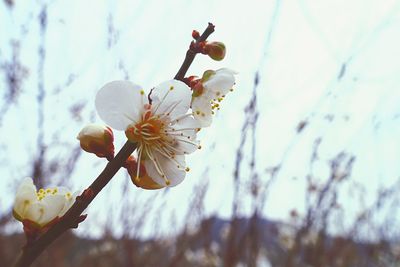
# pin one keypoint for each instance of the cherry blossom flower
(209, 91)
(160, 125)
(43, 206)
(97, 139)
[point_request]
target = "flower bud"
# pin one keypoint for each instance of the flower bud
(139, 175)
(195, 34)
(198, 89)
(215, 50)
(97, 139)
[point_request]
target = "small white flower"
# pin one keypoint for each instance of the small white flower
(209, 92)
(43, 206)
(162, 129)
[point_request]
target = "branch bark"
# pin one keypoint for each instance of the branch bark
(73, 216)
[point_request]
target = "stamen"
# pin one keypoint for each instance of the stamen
(165, 153)
(162, 100)
(169, 109)
(189, 142)
(180, 135)
(140, 149)
(181, 129)
(158, 167)
(180, 117)
(130, 118)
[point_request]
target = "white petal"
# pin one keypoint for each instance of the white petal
(220, 83)
(202, 110)
(119, 103)
(25, 196)
(27, 189)
(34, 212)
(93, 130)
(226, 71)
(52, 206)
(68, 203)
(168, 167)
(186, 143)
(171, 97)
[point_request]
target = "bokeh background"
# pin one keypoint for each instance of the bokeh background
(300, 167)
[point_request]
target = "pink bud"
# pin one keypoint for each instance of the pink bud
(195, 34)
(97, 139)
(215, 50)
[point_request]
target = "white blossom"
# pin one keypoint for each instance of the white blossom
(209, 92)
(163, 129)
(43, 206)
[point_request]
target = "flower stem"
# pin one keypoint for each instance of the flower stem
(73, 216)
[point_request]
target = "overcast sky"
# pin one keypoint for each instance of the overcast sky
(333, 64)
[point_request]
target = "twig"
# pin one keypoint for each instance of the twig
(73, 216)
(71, 219)
(191, 53)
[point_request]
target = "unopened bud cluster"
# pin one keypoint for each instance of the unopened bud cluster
(215, 50)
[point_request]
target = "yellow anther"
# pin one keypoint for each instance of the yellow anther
(167, 182)
(48, 190)
(41, 190)
(142, 92)
(171, 88)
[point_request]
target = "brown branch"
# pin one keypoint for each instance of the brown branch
(71, 219)
(73, 216)
(191, 53)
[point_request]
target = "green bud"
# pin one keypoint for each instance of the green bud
(216, 50)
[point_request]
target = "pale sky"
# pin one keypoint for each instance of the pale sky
(299, 49)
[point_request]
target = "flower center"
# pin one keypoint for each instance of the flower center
(148, 131)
